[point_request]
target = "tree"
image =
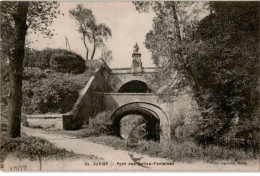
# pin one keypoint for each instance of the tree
(217, 58)
(226, 63)
(16, 60)
(90, 30)
(16, 18)
(173, 27)
(40, 15)
(106, 55)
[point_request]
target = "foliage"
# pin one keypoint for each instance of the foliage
(100, 119)
(55, 95)
(98, 125)
(172, 25)
(45, 91)
(184, 118)
(128, 123)
(184, 127)
(40, 15)
(226, 66)
(106, 55)
(90, 30)
(183, 151)
(4, 88)
(57, 59)
(16, 18)
(217, 59)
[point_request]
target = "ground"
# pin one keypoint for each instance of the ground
(112, 159)
(31, 153)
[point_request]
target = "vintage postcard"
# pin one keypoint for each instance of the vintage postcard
(129, 85)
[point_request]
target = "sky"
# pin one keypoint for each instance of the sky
(128, 26)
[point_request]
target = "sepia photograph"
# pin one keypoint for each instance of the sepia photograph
(129, 86)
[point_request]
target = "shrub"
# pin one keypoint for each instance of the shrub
(44, 91)
(55, 95)
(101, 124)
(98, 125)
(49, 91)
(184, 126)
(57, 59)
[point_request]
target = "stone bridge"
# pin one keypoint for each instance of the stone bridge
(122, 91)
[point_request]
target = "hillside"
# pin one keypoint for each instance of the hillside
(45, 91)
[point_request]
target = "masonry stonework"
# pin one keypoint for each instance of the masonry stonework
(101, 94)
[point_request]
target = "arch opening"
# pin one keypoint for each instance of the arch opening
(134, 86)
(147, 126)
(158, 123)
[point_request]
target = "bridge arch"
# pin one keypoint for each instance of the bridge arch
(159, 123)
(119, 80)
(134, 86)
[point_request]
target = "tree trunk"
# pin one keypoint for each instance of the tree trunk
(177, 25)
(187, 67)
(16, 70)
(84, 41)
(94, 47)
(87, 55)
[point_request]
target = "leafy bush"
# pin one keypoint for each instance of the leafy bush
(57, 59)
(184, 124)
(50, 95)
(49, 91)
(227, 72)
(99, 125)
(45, 91)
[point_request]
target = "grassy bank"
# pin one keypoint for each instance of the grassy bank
(98, 131)
(45, 91)
(32, 147)
(185, 151)
(178, 151)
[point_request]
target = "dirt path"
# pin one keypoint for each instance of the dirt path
(115, 158)
(120, 159)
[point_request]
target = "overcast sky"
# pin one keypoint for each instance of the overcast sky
(127, 25)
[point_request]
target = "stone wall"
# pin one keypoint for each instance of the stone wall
(101, 94)
(88, 105)
(115, 100)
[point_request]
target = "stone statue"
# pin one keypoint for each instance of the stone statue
(136, 49)
(136, 63)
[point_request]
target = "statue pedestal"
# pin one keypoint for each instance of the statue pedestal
(137, 64)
